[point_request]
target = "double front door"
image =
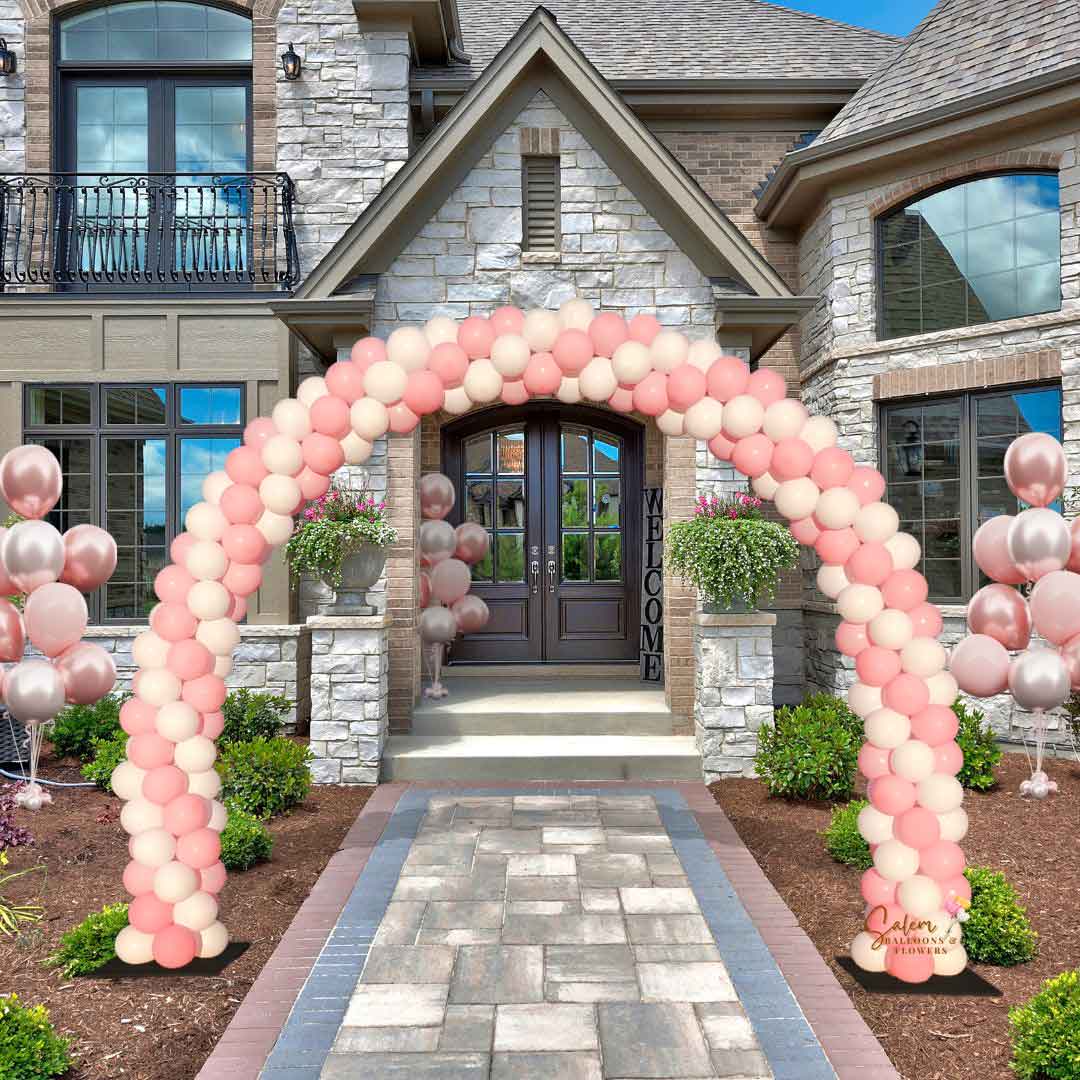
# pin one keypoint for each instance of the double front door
(559, 491)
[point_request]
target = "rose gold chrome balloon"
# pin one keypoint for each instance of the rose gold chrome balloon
(12, 635)
(1038, 542)
(33, 555)
(89, 557)
(991, 551)
(88, 671)
(31, 480)
(436, 496)
(1000, 612)
(1035, 468)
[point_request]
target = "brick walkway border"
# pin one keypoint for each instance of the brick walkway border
(789, 992)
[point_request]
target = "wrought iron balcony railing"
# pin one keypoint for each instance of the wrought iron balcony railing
(160, 231)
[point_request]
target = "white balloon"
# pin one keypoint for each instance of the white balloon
(205, 521)
(540, 329)
(631, 362)
(408, 347)
(704, 419)
(743, 416)
(892, 629)
(784, 419)
(127, 780)
(280, 495)
(887, 728)
(291, 418)
(860, 603)
(283, 455)
(195, 755)
(865, 955)
(177, 721)
(597, 379)
(138, 815)
(276, 528)
(134, 947)
(223, 666)
(510, 355)
(219, 816)
(153, 848)
(215, 485)
(951, 962)
(864, 700)
(356, 450)
(220, 636)
(795, 499)
(671, 423)
(819, 433)
(905, 551)
(876, 522)
(837, 507)
(913, 760)
(198, 912)
(457, 401)
(440, 329)
(874, 826)
(920, 896)
(385, 382)
(483, 383)
(576, 314)
(311, 389)
(174, 882)
(207, 784)
(212, 941)
(158, 686)
(954, 824)
(669, 350)
(764, 485)
(150, 651)
(206, 559)
(923, 656)
(569, 392)
(703, 353)
(895, 861)
(831, 580)
(208, 600)
(369, 418)
(940, 793)
(943, 688)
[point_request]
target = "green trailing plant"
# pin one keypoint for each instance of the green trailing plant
(334, 526)
(982, 755)
(810, 751)
(76, 727)
(30, 1049)
(1046, 1031)
(14, 915)
(843, 841)
(997, 930)
(107, 754)
(253, 716)
(91, 944)
(264, 777)
(245, 841)
(729, 552)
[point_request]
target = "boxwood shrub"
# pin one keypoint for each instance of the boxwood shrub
(77, 727)
(997, 930)
(29, 1047)
(264, 777)
(245, 841)
(91, 944)
(982, 755)
(1046, 1031)
(843, 841)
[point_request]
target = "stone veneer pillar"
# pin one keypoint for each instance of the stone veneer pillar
(350, 666)
(733, 677)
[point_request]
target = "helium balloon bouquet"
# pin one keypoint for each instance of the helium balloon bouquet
(446, 557)
(52, 572)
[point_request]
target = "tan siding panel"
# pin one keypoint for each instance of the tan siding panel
(227, 344)
(138, 344)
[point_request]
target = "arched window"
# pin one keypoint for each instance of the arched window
(976, 252)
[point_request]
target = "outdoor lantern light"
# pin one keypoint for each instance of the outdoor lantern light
(290, 63)
(7, 59)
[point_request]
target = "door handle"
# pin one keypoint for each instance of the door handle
(534, 566)
(551, 575)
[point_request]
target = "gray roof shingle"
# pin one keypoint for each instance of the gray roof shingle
(680, 39)
(961, 49)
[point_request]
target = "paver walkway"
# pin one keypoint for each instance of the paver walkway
(589, 934)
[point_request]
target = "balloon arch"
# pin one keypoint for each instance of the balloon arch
(904, 692)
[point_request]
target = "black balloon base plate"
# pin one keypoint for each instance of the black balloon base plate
(214, 965)
(967, 984)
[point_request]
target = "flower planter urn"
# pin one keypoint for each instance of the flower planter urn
(360, 569)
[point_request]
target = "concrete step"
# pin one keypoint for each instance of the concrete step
(628, 672)
(555, 705)
(541, 757)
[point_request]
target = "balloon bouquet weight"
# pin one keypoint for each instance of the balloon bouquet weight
(1036, 553)
(446, 557)
(49, 573)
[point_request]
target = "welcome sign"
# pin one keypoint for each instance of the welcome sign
(652, 587)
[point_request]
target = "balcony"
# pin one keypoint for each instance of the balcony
(166, 233)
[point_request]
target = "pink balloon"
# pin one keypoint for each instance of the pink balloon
(644, 328)
(450, 581)
(873, 761)
(137, 717)
(345, 381)
(913, 967)
(173, 622)
(882, 918)
(242, 579)
(212, 724)
(876, 890)
(162, 784)
(868, 484)
(948, 758)
(1035, 468)
(1055, 607)
(367, 351)
(726, 378)
(212, 879)
(836, 546)
(721, 447)
(767, 386)
(542, 375)
(150, 751)
(936, 725)
(650, 395)
(918, 828)
(241, 504)
(186, 813)
(991, 551)
(238, 608)
(891, 795)
(88, 671)
(12, 636)
(199, 849)
(608, 331)
(1000, 612)
(473, 542)
(869, 564)
(244, 544)
(475, 336)
(941, 861)
(980, 665)
(851, 638)
(832, 468)
(330, 416)
(55, 617)
(206, 694)
(172, 584)
(436, 539)
(7, 586)
(138, 879)
(436, 496)
(572, 351)
(89, 557)
(513, 392)
(175, 946)
(906, 694)
(148, 914)
(258, 432)
(686, 386)
(189, 660)
(179, 548)
(791, 460)
(876, 666)
(752, 454)
(471, 613)
(958, 886)
(245, 466)
(424, 392)
(622, 401)
(926, 620)
(449, 361)
(30, 480)
(904, 590)
(507, 320)
(805, 530)
(323, 453)
(402, 418)
(425, 589)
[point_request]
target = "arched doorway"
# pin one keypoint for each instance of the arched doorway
(559, 488)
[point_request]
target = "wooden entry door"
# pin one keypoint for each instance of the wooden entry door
(559, 490)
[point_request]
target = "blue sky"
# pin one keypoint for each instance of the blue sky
(892, 16)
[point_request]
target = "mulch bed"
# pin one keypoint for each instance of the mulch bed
(1034, 843)
(157, 1028)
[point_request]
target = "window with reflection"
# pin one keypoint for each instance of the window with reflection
(495, 498)
(134, 458)
(590, 513)
(980, 251)
(943, 460)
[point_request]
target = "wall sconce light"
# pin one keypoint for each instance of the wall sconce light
(7, 59)
(290, 64)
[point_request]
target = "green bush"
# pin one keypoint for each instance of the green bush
(29, 1047)
(77, 726)
(997, 930)
(1072, 713)
(843, 841)
(91, 944)
(264, 777)
(108, 753)
(253, 716)
(810, 751)
(1046, 1031)
(982, 755)
(245, 841)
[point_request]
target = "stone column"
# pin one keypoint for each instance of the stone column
(733, 689)
(350, 665)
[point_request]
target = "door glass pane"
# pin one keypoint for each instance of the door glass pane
(135, 405)
(478, 502)
(198, 459)
(608, 556)
(575, 450)
(575, 504)
(575, 557)
(478, 454)
(510, 498)
(605, 454)
(606, 513)
(482, 570)
(511, 450)
(510, 557)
